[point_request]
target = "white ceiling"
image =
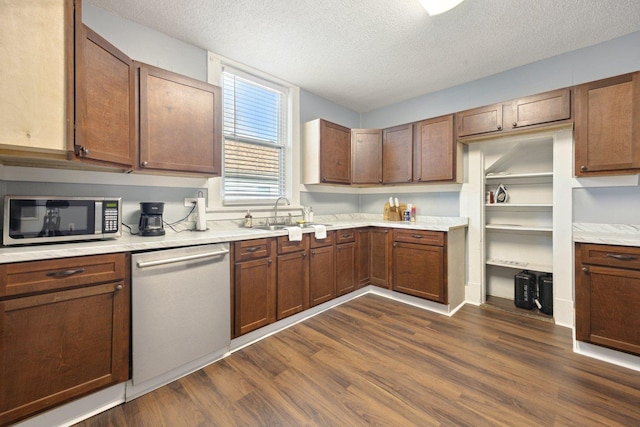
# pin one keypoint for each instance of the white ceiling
(366, 54)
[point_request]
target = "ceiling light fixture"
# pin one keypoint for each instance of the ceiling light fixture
(436, 7)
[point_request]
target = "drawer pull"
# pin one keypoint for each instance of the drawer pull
(253, 249)
(417, 236)
(65, 273)
(347, 235)
(119, 287)
(622, 257)
(585, 270)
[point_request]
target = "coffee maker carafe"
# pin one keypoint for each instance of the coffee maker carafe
(151, 219)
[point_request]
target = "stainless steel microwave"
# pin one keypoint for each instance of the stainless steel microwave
(45, 219)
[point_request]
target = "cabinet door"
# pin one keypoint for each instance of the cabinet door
(479, 120)
(105, 102)
(607, 307)
(335, 153)
(179, 123)
(366, 156)
(542, 108)
(254, 294)
(61, 345)
(607, 135)
(293, 284)
(37, 73)
(418, 270)
(397, 156)
(434, 150)
(380, 260)
(345, 268)
(363, 243)
(322, 275)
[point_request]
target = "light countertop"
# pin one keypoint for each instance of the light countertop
(607, 234)
(217, 232)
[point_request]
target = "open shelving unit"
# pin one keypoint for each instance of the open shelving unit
(518, 234)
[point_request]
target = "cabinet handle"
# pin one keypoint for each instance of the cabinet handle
(583, 168)
(253, 249)
(419, 178)
(409, 179)
(622, 257)
(514, 124)
(395, 245)
(119, 287)
(144, 164)
(585, 270)
(499, 127)
(386, 231)
(380, 180)
(417, 236)
(324, 179)
(82, 151)
(304, 254)
(65, 273)
(270, 262)
(346, 235)
(313, 253)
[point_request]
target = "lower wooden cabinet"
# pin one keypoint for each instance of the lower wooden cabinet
(346, 254)
(64, 331)
(293, 277)
(363, 245)
(608, 296)
(322, 270)
(419, 264)
(380, 264)
(253, 281)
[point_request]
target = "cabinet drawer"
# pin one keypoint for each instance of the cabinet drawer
(251, 249)
(435, 238)
(318, 243)
(38, 276)
(286, 246)
(345, 236)
(615, 256)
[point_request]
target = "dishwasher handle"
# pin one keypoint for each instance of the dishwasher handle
(143, 264)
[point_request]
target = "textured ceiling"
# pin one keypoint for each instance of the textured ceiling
(366, 54)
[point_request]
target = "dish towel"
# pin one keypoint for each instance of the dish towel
(321, 231)
(295, 233)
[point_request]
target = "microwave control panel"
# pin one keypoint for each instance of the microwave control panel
(110, 215)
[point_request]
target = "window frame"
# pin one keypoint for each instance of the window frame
(216, 207)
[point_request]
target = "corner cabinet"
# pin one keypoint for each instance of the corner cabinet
(64, 331)
(326, 153)
(105, 103)
(607, 133)
(608, 296)
(180, 121)
(518, 233)
(397, 159)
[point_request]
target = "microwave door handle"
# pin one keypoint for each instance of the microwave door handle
(97, 223)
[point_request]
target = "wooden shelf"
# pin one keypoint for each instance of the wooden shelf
(520, 265)
(516, 227)
(519, 205)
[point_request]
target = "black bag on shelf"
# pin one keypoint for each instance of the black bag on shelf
(525, 285)
(545, 293)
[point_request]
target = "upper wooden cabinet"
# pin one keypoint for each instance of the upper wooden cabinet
(397, 157)
(479, 120)
(607, 132)
(536, 110)
(36, 88)
(326, 153)
(436, 156)
(105, 102)
(179, 123)
(366, 156)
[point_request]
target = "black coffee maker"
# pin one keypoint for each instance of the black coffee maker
(151, 219)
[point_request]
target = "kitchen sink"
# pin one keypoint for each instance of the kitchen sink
(275, 227)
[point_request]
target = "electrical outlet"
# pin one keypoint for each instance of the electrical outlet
(190, 201)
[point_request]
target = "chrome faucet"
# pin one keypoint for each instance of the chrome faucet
(276, 207)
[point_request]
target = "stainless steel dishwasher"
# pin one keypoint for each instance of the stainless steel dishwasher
(179, 313)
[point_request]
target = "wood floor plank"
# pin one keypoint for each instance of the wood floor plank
(375, 361)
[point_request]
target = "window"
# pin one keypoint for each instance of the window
(255, 138)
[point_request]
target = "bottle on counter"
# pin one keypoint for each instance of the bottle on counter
(248, 220)
(310, 214)
(413, 213)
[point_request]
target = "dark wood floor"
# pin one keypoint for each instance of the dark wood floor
(373, 361)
